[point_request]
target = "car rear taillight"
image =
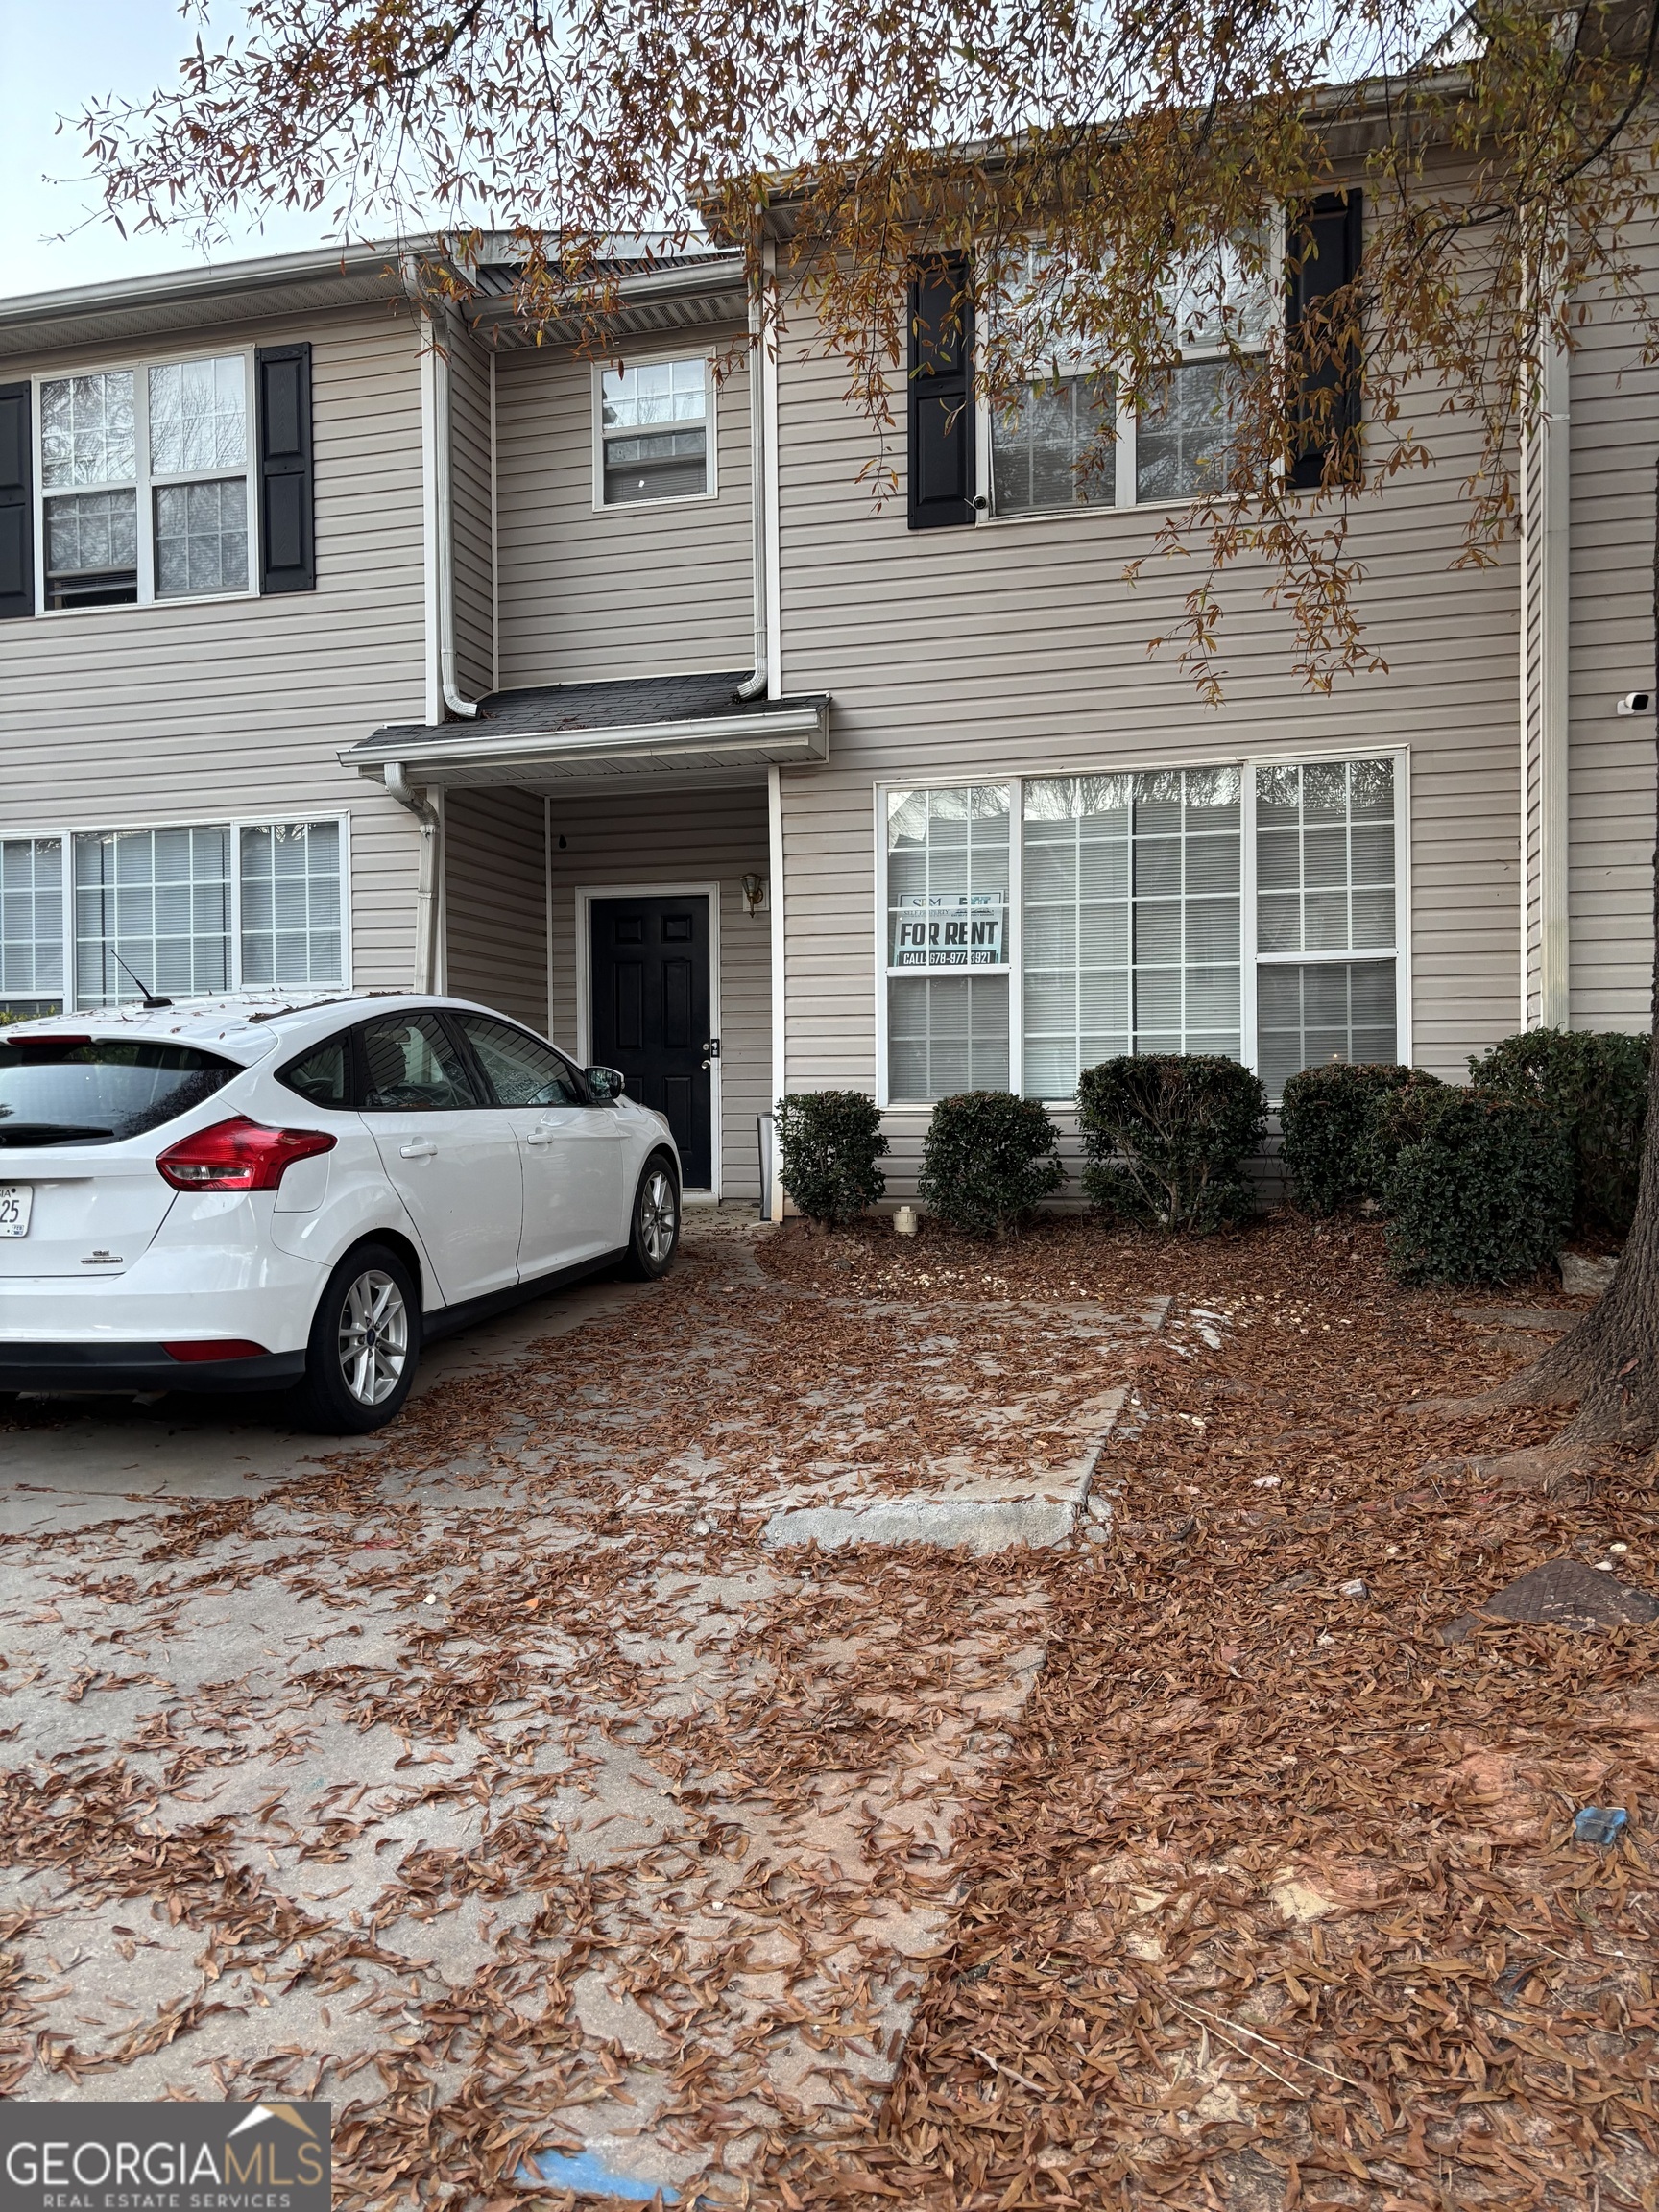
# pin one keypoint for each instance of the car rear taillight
(200, 1348)
(239, 1154)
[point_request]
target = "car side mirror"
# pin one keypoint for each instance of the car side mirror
(607, 1084)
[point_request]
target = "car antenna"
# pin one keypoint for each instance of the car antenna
(150, 1000)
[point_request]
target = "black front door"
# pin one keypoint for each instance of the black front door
(650, 1013)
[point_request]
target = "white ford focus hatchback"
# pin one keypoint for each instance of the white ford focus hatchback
(245, 1194)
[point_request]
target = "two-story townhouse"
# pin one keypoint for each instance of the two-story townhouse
(356, 639)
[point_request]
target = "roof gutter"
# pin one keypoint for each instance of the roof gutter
(799, 730)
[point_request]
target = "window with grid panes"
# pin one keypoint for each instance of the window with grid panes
(291, 921)
(1130, 920)
(157, 900)
(144, 483)
(946, 929)
(1049, 449)
(30, 925)
(1327, 916)
(157, 908)
(654, 432)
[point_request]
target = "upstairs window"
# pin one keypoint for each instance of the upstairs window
(145, 488)
(655, 419)
(1074, 436)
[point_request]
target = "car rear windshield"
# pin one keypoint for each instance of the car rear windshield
(93, 1090)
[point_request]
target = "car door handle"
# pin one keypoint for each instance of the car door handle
(423, 1149)
(542, 1136)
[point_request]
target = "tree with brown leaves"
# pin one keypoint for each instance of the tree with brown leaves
(1118, 174)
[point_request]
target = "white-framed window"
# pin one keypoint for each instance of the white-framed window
(95, 917)
(1033, 927)
(654, 431)
(145, 488)
(946, 940)
(1048, 450)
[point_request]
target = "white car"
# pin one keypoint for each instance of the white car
(243, 1193)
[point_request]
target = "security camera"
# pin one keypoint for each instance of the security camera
(1636, 702)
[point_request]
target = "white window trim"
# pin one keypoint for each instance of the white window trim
(1300, 756)
(236, 824)
(584, 895)
(144, 484)
(710, 418)
(1123, 500)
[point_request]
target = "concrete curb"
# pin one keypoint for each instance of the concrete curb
(982, 1517)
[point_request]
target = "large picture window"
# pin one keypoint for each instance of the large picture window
(1035, 929)
(145, 488)
(96, 916)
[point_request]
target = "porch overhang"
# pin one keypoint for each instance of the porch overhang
(606, 735)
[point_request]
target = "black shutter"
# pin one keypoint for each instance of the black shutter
(16, 503)
(288, 533)
(940, 408)
(1326, 242)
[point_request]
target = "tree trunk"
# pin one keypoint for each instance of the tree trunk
(1609, 1363)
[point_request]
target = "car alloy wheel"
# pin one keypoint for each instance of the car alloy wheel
(658, 1216)
(374, 1338)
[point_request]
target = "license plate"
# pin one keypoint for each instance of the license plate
(15, 1200)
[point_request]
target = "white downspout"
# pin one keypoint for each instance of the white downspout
(756, 685)
(426, 908)
(780, 995)
(1553, 584)
(437, 466)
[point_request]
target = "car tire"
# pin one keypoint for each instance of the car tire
(654, 1226)
(364, 1346)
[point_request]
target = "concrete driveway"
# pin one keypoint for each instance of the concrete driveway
(515, 1781)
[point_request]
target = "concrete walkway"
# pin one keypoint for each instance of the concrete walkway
(519, 1781)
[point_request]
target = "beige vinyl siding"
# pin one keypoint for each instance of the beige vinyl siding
(496, 900)
(1018, 647)
(1615, 444)
(586, 594)
(184, 711)
(689, 837)
(472, 520)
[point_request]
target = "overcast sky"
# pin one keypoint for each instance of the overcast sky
(55, 57)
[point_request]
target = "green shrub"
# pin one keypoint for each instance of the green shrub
(988, 1161)
(1595, 1081)
(828, 1143)
(1478, 1188)
(1327, 1118)
(1166, 1135)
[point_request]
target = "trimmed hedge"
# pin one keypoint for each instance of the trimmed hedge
(1595, 1082)
(1327, 1116)
(1166, 1135)
(987, 1160)
(1479, 1187)
(828, 1143)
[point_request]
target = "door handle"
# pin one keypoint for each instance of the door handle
(542, 1136)
(424, 1149)
(712, 1050)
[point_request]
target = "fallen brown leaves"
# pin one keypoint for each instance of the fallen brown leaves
(1278, 1904)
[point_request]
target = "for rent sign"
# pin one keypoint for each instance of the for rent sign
(949, 929)
(164, 2159)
